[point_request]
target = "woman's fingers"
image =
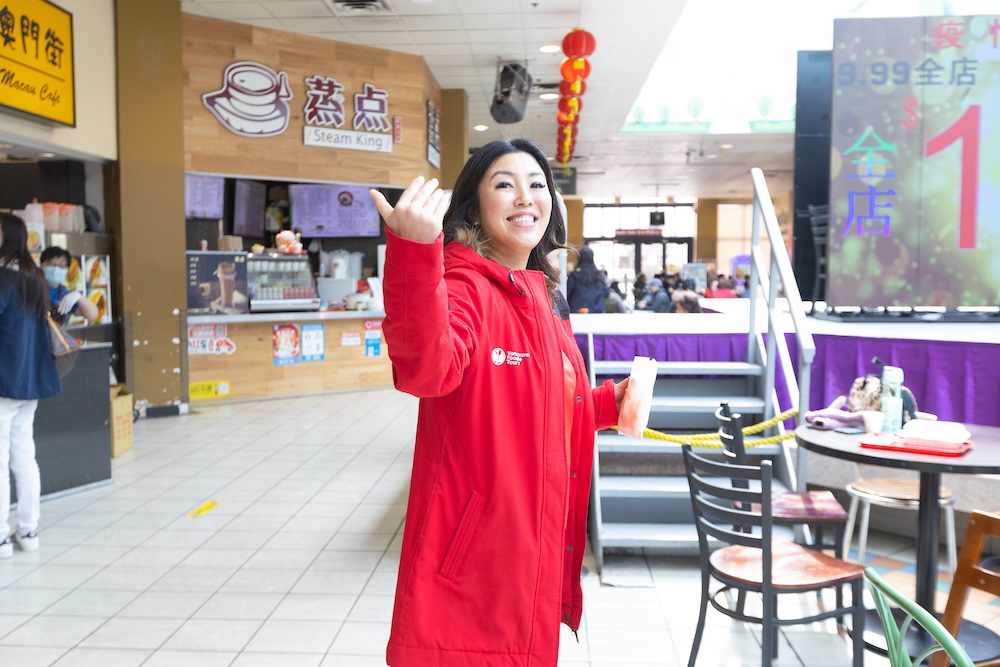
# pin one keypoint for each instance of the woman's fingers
(438, 203)
(410, 192)
(423, 195)
(384, 209)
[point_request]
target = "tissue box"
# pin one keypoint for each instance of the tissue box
(121, 420)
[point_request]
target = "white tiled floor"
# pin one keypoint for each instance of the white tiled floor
(296, 565)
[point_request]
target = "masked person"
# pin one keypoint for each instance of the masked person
(497, 513)
(55, 264)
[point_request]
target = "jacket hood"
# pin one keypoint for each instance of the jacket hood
(457, 255)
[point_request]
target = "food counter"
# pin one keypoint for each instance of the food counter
(233, 357)
(72, 428)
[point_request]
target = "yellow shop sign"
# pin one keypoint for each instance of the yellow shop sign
(36, 60)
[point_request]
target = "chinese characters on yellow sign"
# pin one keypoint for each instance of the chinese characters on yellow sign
(36, 60)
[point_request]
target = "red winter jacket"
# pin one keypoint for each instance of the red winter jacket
(496, 520)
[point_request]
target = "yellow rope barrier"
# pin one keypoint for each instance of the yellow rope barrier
(711, 440)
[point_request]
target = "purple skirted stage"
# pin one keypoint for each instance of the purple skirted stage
(956, 380)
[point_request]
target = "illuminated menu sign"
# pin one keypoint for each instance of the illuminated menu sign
(915, 164)
(36, 60)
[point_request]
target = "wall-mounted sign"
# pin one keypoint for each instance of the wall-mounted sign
(915, 165)
(324, 115)
(252, 101)
(433, 136)
(36, 60)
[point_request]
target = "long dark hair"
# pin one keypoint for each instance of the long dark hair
(464, 207)
(14, 251)
(586, 271)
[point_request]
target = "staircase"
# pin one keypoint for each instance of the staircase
(639, 496)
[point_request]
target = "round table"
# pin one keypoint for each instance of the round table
(982, 458)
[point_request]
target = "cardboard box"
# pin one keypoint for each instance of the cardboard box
(231, 243)
(121, 420)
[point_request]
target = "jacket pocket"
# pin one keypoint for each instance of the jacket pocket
(463, 536)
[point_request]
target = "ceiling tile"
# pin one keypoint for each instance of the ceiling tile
(433, 22)
(382, 38)
(197, 8)
(564, 21)
(416, 7)
(530, 6)
(293, 9)
(492, 21)
(372, 23)
(240, 10)
(496, 36)
(458, 50)
(308, 26)
(485, 7)
(439, 36)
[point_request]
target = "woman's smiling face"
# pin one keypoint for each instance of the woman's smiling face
(514, 208)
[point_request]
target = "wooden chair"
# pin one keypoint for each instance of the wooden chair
(896, 494)
(945, 646)
(970, 574)
(818, 510)
(724, 497)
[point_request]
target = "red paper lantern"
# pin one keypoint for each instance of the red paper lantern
(578, 44)
(567, 119)
(572, 88)
(574, 69)
(570, 104)
(568, 131)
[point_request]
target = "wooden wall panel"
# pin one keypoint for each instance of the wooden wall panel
(251, 373)
(211, 45)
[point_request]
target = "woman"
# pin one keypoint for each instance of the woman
(586, 286)
(27, 373)
(496, 519)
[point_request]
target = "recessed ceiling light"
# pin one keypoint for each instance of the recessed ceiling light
(6, 146)
(46, 155)
(549, 96)
(481, 128)
(550, 48)
(725, 147)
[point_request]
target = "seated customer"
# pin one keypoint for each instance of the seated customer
(586, 286)
(686, 301)
(656, 300)
(64, 301)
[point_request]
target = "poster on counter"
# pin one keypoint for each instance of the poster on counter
(217, 283)
(286, 344)
(698, 272)
(313, 342)
(373, 343)
(209, 339)
(350, 339)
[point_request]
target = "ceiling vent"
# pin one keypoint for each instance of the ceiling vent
(361, 7)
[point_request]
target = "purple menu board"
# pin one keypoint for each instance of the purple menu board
(333, 210)
(203, 196)
(915, 162)
(248, 208)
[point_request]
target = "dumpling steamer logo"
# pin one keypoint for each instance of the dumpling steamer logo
(499, 356)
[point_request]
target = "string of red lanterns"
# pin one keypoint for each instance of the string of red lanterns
(578, 45)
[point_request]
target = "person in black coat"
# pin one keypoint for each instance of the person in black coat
(586, 286)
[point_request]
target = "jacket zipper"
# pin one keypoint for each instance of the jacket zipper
(512, 282)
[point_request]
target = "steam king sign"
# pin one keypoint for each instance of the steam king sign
(36, 60)
(325, 115)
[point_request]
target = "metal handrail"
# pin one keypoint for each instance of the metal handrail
(776, 348)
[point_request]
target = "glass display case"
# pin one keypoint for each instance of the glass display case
(281, 282)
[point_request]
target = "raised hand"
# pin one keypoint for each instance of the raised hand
(419, 212)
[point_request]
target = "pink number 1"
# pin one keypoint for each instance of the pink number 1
(965, 129)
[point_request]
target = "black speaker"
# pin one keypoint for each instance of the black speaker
(656, 219)
(511, 96)
(813, 110)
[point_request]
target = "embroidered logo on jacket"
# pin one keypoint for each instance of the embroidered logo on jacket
(511, 358)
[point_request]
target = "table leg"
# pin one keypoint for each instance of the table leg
(927, 539)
